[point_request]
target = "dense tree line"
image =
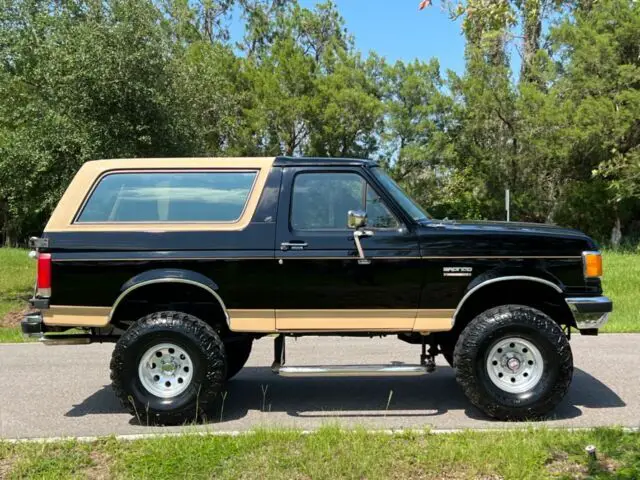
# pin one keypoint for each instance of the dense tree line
(88, 79)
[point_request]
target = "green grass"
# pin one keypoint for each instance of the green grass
(11, 335)
(621, 283)
(333, 453)
(17, 276)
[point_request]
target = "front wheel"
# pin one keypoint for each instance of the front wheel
(168, 368)
(237, 355)
(514, 363)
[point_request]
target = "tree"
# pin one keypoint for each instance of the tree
(417, 113)
(80, 81)
(346, 109)
(600, 75)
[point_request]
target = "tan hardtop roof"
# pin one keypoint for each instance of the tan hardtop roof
(90, 172)
(178, 162)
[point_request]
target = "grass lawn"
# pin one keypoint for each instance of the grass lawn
(621, 283)
(333, 453)
(17, 276)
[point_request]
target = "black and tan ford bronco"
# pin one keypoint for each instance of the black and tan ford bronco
(184, 262)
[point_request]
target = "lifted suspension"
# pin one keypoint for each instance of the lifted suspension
(428, 360)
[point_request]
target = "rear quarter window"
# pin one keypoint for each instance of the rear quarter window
(156, 197)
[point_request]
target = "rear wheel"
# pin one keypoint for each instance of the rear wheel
(168, 368)
(514, 363)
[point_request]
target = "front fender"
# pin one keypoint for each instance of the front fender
(504, 275)
(533, 273)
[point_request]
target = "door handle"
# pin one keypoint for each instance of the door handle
(284, 246)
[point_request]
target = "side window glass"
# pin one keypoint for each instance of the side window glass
(378, 215)
(169, 197)
(321, 201)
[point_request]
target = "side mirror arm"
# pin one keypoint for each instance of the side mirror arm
(357, 235)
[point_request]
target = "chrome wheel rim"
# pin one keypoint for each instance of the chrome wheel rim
(514, 365)
(165, 370)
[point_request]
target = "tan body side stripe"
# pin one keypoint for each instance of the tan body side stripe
(76, 316)
(370, 320)
(241, 320)
(434, 320)
(264, 320)
(341, 320)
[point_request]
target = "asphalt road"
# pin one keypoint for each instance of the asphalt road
(64, 390)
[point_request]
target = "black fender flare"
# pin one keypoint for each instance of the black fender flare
(494, 276)
(169, 275)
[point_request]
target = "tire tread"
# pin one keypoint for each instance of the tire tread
(504, 316)
(185, 323)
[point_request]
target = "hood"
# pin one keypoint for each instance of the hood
(515, 227)
(502, 238)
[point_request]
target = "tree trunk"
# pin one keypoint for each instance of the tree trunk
(616, 233)
(532, 29)
(4, 223)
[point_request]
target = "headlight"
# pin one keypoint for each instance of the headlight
(592, 264)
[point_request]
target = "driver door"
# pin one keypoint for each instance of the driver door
(322, 282)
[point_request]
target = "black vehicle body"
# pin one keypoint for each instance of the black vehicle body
(249, 269)
(422, 278)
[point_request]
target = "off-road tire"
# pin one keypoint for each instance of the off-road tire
(448, 356)
(472, 349)
(202, 344)
(237, 355)
(447, 345)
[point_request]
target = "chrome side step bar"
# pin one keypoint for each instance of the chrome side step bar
(350, 370)
(73, 339)
(427, 365)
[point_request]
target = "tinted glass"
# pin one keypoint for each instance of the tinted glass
(169, 197)
(411, 207)
(321, 201)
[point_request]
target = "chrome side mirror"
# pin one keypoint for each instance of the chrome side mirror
(356, 219)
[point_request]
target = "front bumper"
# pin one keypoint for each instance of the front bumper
(590, 313)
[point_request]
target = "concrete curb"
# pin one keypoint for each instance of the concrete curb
(237, 433)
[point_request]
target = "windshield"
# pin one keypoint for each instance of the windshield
(413, 209)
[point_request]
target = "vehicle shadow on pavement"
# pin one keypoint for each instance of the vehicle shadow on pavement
(256, 388)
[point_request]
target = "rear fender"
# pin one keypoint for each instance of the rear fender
(168, 275)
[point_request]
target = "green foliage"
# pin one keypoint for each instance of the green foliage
(602, 81)
(82, 80)
(418, 149)
(347, 110)
(565, 136)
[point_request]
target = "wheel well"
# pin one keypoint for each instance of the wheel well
(520, 292)
(181, 297)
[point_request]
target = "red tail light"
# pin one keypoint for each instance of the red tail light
(44, 275)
